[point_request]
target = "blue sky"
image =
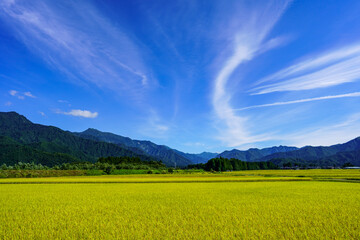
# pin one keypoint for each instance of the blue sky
(193, 75)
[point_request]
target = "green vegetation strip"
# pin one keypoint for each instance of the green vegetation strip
(169, 181)
(147, 179)
(186, 177)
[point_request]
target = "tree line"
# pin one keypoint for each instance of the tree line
(223, 164)
(106, 164)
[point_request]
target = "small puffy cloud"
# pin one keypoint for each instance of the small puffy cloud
(28, 94)
(13, 92)
(20, 96)
(42, 114)
(8, 103)
(79, 113)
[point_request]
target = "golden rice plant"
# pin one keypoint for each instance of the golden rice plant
(193, 210)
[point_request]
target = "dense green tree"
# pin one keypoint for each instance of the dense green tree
(224, 164)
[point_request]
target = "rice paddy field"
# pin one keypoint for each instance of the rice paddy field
(274, 204)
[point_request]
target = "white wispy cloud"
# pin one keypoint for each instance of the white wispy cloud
(154, 126)
(28, 94)
(313, 62)
(157, 125)
(329, 69)
(78, 40)
(79, 113)
(64, 102)
(195, 144)
(347, 95)
(160, 128)
(250, 41)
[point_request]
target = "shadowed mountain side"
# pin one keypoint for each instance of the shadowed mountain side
(169, 156)
(47, 139)
(13, 152)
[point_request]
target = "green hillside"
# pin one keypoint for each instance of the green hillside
(169, 156)
(37, 141)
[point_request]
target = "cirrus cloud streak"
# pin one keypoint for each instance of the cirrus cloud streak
(347, 95)
(79, 41)
(329, 69)
(250, 41)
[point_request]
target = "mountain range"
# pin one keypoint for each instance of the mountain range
(253, 154)
(22, 140)
(338, 155)
(335, 155)
(169, 156)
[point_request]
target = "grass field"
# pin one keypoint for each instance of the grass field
(249, 205)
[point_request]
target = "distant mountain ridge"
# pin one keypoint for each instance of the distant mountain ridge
(254, 154)
(198, 158)
(171, 156)
(335, 155)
